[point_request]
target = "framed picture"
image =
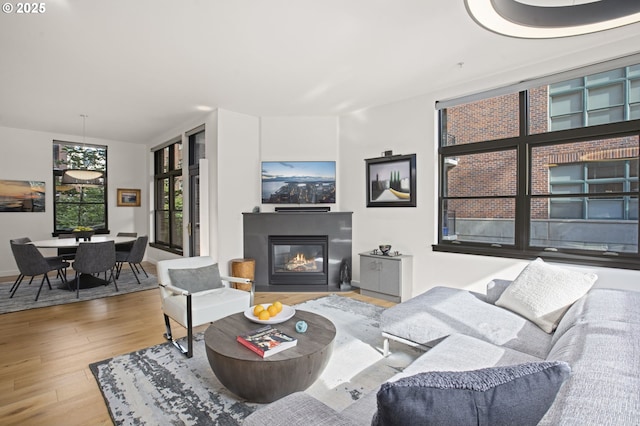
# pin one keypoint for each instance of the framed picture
(22, 196)
(391, 181)
(128, 197)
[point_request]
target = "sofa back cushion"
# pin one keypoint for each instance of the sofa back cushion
(542, 293)
(519, 394)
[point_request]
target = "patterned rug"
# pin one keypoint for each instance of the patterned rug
(25, 295)
(158, 385)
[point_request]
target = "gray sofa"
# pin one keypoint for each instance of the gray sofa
(599, 337)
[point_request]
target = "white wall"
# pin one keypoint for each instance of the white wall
(408, 127)
(27, 155)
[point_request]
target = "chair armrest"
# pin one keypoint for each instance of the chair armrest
(237, 280)
(177, 290)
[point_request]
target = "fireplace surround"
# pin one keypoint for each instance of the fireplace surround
(298, 250)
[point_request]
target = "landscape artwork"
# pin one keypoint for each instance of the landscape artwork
(22, 196)
(298, 182)
(391, 181)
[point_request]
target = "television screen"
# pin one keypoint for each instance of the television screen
(298, 182)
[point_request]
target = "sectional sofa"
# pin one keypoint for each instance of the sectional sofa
(569, 356)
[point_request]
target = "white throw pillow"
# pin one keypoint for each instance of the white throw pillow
(542, 293)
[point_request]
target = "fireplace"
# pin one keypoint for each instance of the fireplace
(320, 237)
(298, 259)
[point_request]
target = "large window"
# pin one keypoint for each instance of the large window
(79, 176)
(168, 197)
(550, 171)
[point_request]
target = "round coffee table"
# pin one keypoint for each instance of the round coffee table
(258, 379)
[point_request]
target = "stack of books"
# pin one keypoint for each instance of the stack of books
(267, 341)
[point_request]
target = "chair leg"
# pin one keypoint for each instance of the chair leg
(15, 286)
(145, 272)
(189, 351)
(78, 285)
(44, 277)
(20, 277)
(113, 276)
(133, 269)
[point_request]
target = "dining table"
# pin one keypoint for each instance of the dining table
(56, 243)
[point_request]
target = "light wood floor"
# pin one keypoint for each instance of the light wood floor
(45, 353)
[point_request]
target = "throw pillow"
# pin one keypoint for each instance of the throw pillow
(542, 293)
(519, 394)
(196, 279)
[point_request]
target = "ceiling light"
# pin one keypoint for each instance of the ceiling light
(81, 174)
(531, 19)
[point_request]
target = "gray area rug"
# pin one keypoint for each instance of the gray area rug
(25, 295)
(158, 385)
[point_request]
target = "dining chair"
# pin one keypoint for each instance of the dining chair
(67, 253)
(125, 246)
(53, 260)
(94, 258)
(32, 263)
(133, 257)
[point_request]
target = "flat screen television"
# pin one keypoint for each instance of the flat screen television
(298, 182)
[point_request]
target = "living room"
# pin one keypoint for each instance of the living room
(239, 139)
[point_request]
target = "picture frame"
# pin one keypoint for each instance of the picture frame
(128, 197)
(391, 181)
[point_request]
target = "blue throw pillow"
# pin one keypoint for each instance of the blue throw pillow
(519, 394)
(196, 279)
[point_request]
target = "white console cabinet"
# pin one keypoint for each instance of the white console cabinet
(386, 277)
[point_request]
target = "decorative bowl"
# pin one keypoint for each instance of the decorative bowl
(385, 248)
(286, 314)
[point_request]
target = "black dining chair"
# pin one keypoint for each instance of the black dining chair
(67, 253)
(32, 263)
(133, 257)
(53, 260)
(125, 246)
(94, 258)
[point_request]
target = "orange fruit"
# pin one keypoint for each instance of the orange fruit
(278, 305)
(273, 311)
(264, 315)
(257, 309)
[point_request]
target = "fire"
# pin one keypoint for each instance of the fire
(300, 263)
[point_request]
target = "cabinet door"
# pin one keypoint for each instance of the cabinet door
(369, 274)
(390, 277)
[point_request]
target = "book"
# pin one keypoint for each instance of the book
(266, 341)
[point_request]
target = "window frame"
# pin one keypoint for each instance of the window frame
(523, 144)
(173, 171)
(58, 172)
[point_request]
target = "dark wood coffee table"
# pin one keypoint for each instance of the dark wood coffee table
(258, 379)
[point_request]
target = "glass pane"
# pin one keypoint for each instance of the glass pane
(605, 209)
(606, 169)
(177, 156)
(634, 112)
(605, 77)
(489, 119)
(633, 168)
(566, 104)
(489, 220)
(604, 97)
(566, 85)
(162, 227)
(609, 115)
(634, 91)
(633, 208)
(478, 175)
(176, 229)
(196, 145)
(162, 194)
(566, 122)
(177, 193)
(560, 164)
(601, 234)
(567, 189)
(633, 71)
(164, 164)
(603, 188)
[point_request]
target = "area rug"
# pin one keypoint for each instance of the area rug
(158, 385)
(26, 294)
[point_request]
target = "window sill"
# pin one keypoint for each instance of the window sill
(166, 248)
(629, 261)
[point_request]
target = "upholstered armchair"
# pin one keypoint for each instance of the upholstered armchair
(193, 293)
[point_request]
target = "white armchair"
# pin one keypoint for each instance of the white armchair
(193, 293)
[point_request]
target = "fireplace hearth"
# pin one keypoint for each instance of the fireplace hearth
(298, 251)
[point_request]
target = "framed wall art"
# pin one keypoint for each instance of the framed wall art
(391, 181)
(22, 196)
(128, 197)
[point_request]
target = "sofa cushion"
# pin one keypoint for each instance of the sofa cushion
(519, 394)
(195, 280)
(442, 311)
(604, 388)
(542, 292)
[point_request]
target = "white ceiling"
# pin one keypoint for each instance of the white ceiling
(138, 68)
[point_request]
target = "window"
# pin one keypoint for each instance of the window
(168, 197)
(79, 176)
(549, 171)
